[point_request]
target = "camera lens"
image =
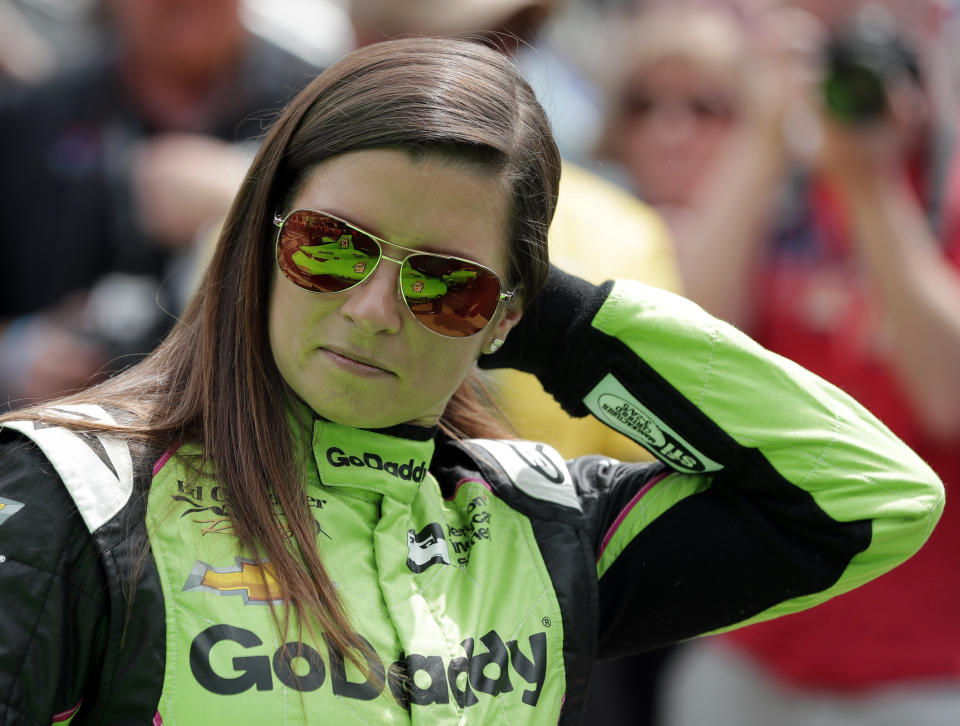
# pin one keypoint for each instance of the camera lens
(862, 59)
(854, 94)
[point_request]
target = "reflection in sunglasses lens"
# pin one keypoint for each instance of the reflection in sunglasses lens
(452, 297)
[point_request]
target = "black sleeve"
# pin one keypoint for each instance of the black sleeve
(775, 490)
(551, 335)
(53, 592)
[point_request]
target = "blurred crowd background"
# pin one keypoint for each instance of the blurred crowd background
(790, 165)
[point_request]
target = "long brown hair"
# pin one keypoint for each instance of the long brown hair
(214, 381)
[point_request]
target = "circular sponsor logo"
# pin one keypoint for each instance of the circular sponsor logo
(633, 418)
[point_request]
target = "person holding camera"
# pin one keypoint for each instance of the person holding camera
(830, 230)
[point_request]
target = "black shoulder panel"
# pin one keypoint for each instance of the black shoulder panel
(134, 664)
(102, 612)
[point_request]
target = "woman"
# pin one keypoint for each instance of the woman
(299, 507)
(674, 91)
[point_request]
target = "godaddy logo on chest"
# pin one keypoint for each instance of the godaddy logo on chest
(407, 471)
(413, 679)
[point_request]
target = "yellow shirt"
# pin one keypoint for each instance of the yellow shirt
(635, 244)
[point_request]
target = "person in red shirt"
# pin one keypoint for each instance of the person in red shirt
(856, 277)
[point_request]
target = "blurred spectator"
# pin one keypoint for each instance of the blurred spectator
(518, 27)
(109, 171)
(828, 229)
(674, 96)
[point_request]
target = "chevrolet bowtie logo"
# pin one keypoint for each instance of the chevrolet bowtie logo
(254, 583)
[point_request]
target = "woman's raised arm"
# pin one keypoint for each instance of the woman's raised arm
(777, 490)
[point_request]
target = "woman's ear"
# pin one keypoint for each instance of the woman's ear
(498, 332)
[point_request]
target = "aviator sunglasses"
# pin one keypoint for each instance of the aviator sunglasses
(448, 295)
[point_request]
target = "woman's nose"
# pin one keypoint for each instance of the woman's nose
(374, 305)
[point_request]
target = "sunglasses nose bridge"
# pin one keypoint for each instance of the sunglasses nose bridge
(399, 262)
(395, 260)
(388, 258)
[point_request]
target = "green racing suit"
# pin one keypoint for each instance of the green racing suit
(486, 575)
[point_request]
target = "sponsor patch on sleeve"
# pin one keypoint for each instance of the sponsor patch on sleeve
(535, 469)
(8, 508)
(613, 404)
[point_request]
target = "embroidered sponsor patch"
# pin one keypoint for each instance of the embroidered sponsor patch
(206, 506)
(535, 469)
(256, 584)
(428, 547)
(408, 471)
(513, 671)
(8, 508)
(613, 404)
(475, 529)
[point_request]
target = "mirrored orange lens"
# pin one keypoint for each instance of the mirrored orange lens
(452, 297)
(322, 254)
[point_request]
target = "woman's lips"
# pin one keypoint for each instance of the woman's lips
(356, 363)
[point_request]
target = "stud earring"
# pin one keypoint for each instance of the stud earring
(494, 345)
